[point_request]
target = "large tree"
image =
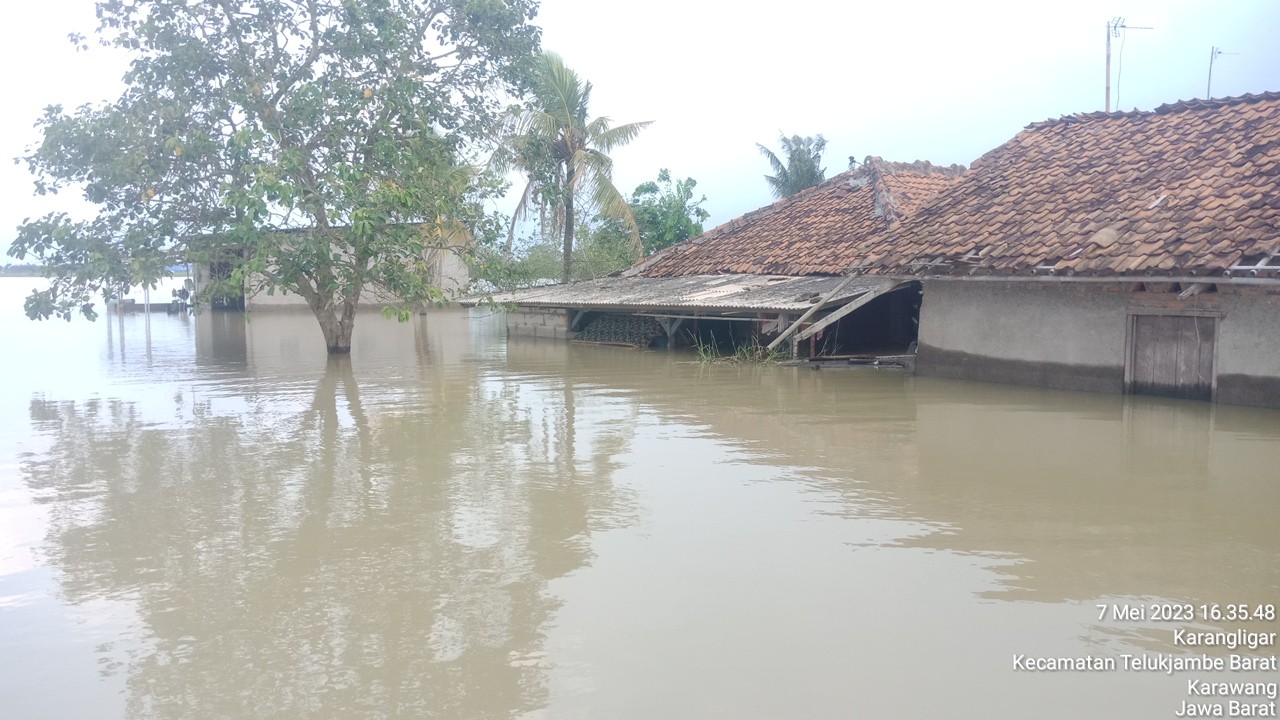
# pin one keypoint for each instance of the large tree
(800, 166)
(564, 153)
(321, 144)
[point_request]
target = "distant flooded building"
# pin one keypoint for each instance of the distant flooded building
(1126, 252)
(446, 265)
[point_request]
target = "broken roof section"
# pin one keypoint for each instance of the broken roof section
(1191, 188)
(783, 258)
(721, 294)
(818, 231)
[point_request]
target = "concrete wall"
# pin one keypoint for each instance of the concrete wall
(539, 323)
(454, 276)
(1074, 335)
(1248, 360)
(280, 299)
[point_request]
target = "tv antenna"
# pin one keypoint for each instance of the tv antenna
(1214, 52)
(1113, 30)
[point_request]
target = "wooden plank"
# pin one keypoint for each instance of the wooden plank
(847, 308)
(1192, 289)
(1173, 356)
(1143, 353)
(671, 325)
(809, 313)
(1164, 375)
(1186, 359)
(659, 316)
(604, 342)
(1207, 334)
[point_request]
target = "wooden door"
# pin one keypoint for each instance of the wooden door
(1173, 356)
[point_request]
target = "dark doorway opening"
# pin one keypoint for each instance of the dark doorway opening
(225, 295)
(888, 325)
(713, 336)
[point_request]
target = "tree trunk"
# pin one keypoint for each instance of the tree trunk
(336, 328)
(337, 331)
(337, 320)
(568, 235)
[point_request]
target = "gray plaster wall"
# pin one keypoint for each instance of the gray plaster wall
(539, 323)
(1249, 335)
(1248, 353)
(1074, 335)
(449, 272)
(451, 275)
(1075, 324)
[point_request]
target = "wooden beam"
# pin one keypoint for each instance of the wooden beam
(659, 317)
(849, 307)
(671, 325)
(809, 313)
(1192, 289)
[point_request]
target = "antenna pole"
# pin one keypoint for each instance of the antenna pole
(1113, 28)
(1208, 86)
(1213, 55)
(1107, 107)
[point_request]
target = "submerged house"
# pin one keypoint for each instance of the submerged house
(443, 256)
(1125, 252)
(751, 279)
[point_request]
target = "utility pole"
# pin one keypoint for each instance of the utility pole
(1113, 30)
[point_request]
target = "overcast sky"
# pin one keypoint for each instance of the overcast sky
(938, 81)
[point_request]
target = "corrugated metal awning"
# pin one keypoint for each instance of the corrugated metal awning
(693, 293)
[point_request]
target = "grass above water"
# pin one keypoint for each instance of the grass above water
(752, 352)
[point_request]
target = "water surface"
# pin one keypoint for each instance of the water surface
(203, 517)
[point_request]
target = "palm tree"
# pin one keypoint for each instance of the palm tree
(564, 154)
(803, 166)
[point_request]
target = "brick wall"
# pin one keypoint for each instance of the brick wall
(539, 323)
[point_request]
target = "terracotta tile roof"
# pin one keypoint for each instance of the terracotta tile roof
(817, 231)
(1189, 188)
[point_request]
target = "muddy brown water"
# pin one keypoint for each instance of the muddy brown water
(205, 518)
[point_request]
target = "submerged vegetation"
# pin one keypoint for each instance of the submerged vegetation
(752, 351)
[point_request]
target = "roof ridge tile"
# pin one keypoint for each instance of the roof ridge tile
(1165, 109)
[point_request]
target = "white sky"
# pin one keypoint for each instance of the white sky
(938, 81)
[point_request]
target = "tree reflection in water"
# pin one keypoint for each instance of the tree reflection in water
(406, 532)
(352, 559)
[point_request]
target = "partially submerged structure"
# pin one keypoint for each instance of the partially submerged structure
(751, 279)
(1118, 252)
(1123, 252)
(443, 258)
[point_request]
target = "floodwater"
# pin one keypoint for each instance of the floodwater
(203, 518)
